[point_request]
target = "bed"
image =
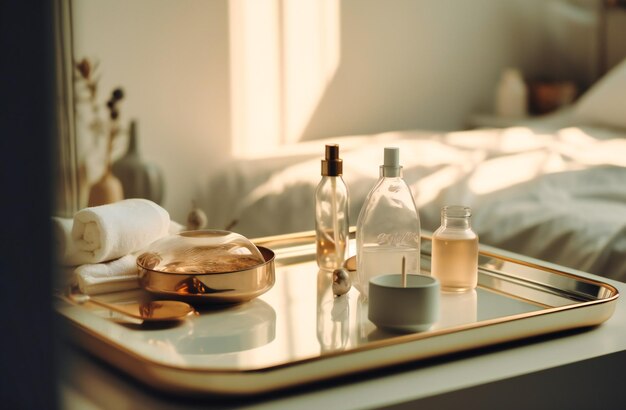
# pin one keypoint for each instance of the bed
(553, 188)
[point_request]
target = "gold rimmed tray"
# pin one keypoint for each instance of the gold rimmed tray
(299, 333)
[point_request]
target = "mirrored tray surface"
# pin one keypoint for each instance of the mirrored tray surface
(298, 332)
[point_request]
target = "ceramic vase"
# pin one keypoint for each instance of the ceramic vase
(139, 179)
(107, 190)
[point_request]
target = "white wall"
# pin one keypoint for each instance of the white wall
(170, 57)
(424, 64)
(403, 64)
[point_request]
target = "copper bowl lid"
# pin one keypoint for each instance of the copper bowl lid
(207, 266)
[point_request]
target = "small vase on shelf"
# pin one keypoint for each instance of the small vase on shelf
(107, 190)
(139, 179)
(511, 95)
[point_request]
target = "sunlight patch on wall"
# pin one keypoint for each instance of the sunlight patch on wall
(283, 56)
(255, 75)
(311, 57)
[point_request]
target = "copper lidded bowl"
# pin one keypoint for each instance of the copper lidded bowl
(207, 266)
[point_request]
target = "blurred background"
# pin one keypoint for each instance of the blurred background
(212, 81)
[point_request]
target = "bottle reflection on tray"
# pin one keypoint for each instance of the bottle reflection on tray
(333, 315)
(457, 308)
(364, 326)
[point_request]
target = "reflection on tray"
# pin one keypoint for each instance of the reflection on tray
(230, 330)
(236, 330)
(457, 309)
(333, 316)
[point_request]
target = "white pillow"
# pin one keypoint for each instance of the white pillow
(605, 102)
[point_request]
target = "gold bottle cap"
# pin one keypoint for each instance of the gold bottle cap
(332, 165)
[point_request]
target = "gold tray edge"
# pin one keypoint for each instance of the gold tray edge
(614, 291)
(178, 379)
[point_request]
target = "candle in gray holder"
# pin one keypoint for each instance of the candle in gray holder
(403, 303)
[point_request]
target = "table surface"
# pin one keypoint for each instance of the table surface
(579, 365)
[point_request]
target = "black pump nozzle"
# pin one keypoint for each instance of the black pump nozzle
(332, 165)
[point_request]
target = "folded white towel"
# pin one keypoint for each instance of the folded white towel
(107, 232)
(117, 275)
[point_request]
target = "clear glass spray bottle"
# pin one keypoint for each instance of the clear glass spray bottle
(388, 227)
(331, 212)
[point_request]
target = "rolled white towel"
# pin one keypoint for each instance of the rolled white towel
(107, 232)
(65, 246)
(119, 274)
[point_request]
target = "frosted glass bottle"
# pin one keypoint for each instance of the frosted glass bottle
(455, 250)
(511, 95)
(388, 227)
(331, 212)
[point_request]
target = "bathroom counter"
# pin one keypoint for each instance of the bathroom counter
(580, 365)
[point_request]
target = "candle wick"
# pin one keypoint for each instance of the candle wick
(404, 271)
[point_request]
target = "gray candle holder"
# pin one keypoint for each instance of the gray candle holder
(412, 306)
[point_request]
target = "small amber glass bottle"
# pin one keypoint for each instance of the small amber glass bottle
(455, 250)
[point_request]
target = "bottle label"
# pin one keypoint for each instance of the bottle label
(398, 238)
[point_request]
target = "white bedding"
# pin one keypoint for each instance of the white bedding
(557, 194)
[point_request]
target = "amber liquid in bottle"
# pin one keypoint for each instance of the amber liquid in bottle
(330, 256)
(455, 263)
(455, 251)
